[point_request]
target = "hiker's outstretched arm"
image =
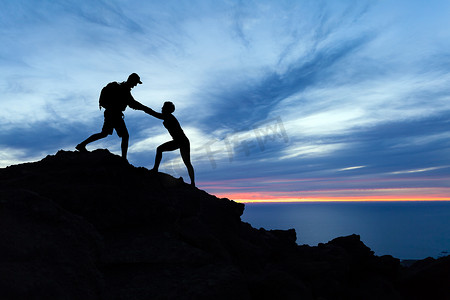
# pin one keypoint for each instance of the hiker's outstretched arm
(154, 113)
(136, 105)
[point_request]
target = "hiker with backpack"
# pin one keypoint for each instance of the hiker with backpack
(179, 139)
(114, 98)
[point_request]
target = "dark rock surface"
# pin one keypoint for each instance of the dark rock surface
(91, 226)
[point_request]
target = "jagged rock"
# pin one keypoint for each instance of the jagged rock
(427, 279)
(91, 226)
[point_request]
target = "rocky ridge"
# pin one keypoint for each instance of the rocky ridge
(91, 226)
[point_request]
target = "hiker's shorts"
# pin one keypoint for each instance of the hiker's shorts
(114, 120)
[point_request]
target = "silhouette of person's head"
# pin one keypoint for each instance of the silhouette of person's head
(133, 80)
(168, 107)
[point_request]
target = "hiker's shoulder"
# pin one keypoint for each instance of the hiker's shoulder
(170, 118)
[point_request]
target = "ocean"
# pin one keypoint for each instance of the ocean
(405, 230)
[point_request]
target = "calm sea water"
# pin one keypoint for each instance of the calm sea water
(406, 230)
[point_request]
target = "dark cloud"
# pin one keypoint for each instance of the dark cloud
(42, 136)
(246, 104)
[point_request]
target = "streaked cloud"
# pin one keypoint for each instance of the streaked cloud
(419, 170)
(351, 168)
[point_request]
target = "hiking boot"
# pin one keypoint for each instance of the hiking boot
(81, 148)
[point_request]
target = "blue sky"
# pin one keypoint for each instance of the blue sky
(280, 99)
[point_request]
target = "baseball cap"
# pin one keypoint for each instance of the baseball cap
(135, 78)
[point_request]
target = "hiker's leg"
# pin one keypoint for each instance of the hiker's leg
(106, 130)
(124, 145)
(185, 152)
(92, 138)
(168, 146)
(122, 131)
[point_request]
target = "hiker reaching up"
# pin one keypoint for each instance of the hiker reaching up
(115, 97)
(179, 139)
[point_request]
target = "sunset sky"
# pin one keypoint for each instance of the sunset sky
(281, 100)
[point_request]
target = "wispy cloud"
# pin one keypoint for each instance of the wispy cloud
(418, 170)
(351, 168)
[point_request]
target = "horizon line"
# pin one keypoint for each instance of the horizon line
(323, 200)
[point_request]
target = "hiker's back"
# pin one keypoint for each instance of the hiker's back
(173, 126)
(113, 97)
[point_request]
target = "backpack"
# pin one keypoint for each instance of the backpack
(109, 95)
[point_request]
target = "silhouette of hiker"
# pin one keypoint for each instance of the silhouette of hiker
(180, 141)
(115, 97)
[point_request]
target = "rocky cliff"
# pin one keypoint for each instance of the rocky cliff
(91, 226)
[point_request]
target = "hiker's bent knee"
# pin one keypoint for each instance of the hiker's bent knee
(102, 134)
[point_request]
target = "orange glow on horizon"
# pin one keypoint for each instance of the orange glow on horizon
(263, 193)
(248, 198)
(347, 199)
